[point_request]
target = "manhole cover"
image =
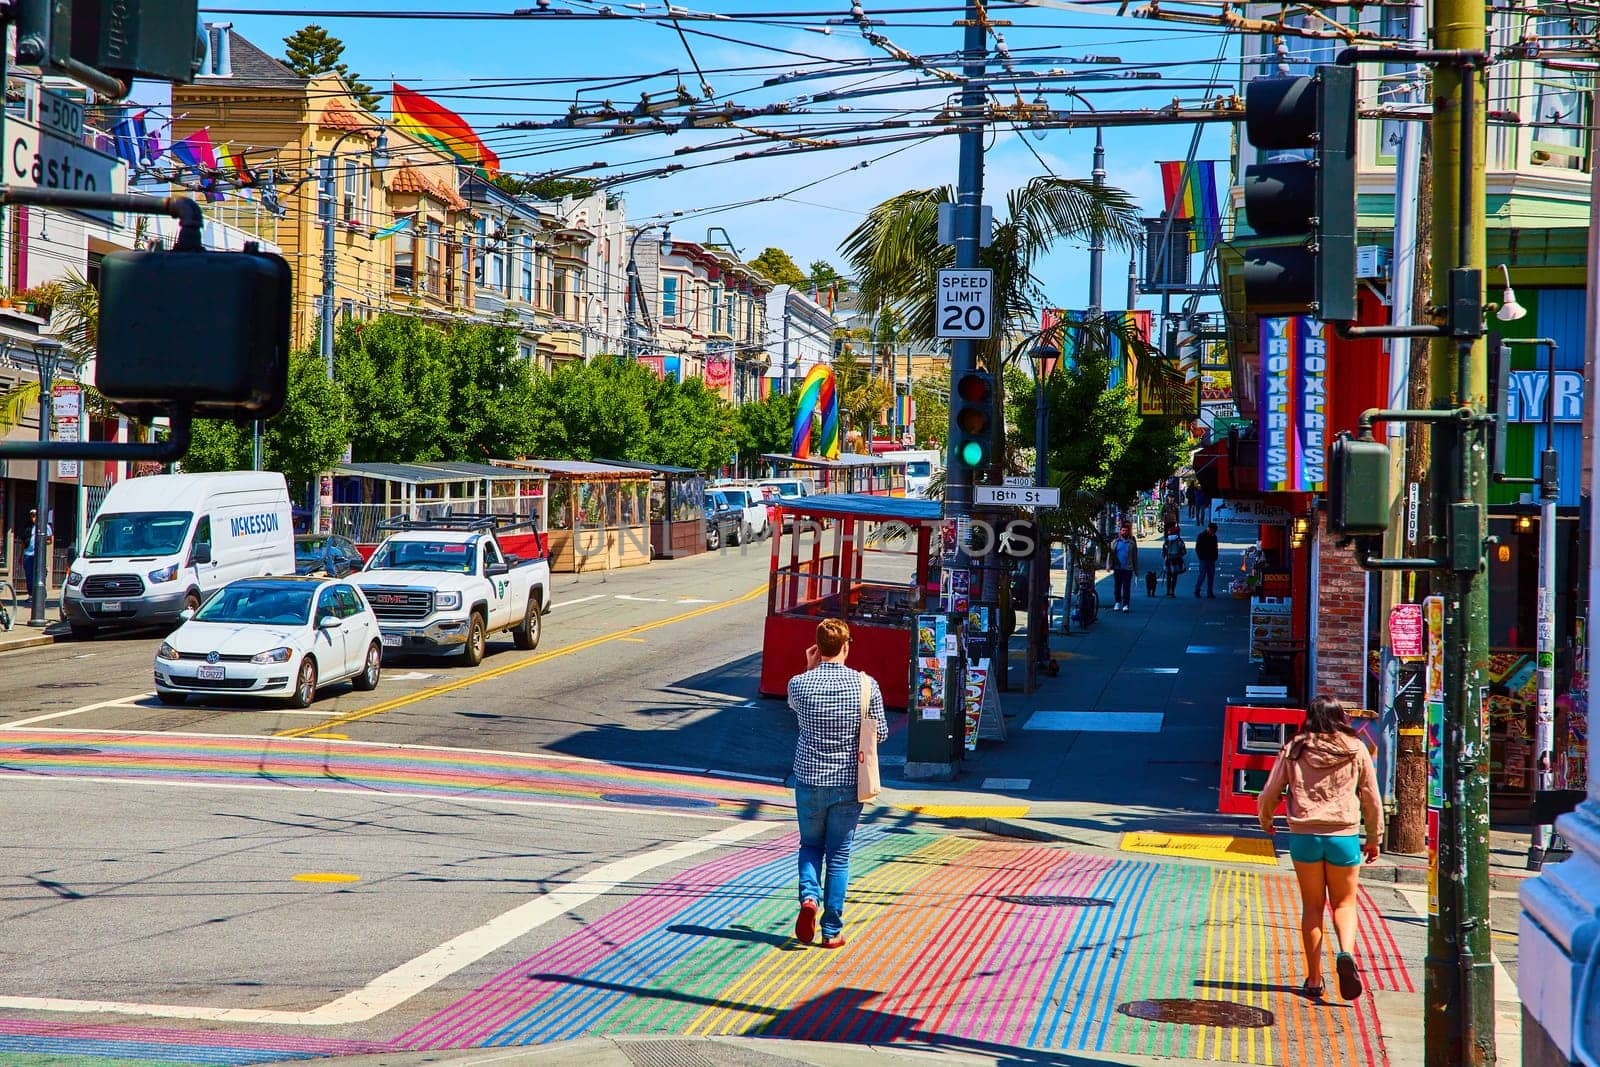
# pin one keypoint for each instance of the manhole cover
(61, 750)
(66, 685)
(1055, 902)
(1185, 1011)
(655, 800)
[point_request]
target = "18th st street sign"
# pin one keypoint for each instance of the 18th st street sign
(1025, 496)
(966, 304)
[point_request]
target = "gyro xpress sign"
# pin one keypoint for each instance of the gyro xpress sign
(1294, 405)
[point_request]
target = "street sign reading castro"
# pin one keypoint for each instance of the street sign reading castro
(966, 304)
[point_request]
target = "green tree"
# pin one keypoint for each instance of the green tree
(690, 426)
(542, 188)
(766, 427)
(304, 439)
(312, 50)
(776, 264)
(394, 370)
(933, 411)
(823, 275)
(594, 410)
(491, 388)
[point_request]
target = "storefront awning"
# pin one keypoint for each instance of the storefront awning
(867, 507)
(579, 468)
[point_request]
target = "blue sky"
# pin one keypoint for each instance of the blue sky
(458, 60)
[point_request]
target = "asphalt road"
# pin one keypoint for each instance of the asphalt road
(238, 867)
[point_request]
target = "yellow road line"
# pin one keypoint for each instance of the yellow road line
(510, 668)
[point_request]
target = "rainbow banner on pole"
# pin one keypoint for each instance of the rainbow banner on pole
(439, 126)
(818, 402)
(1194, 196)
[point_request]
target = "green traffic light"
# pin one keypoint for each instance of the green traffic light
(971, 453)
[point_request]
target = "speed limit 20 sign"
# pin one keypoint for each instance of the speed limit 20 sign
(966, 304)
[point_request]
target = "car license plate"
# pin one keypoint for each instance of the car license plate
(391, 640)
(211, 674)
(111, 605)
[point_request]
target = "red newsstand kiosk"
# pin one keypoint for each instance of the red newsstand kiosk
(869, 560)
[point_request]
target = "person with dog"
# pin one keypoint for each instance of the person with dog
(1124, 562)
(1173, 554)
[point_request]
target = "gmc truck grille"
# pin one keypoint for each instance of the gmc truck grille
(113, 585)
(400, 605)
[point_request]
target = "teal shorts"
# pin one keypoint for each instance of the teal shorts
(1340, 850)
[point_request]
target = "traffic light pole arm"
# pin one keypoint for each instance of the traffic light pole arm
(1462, 417)
(169, 451)
(185, 210)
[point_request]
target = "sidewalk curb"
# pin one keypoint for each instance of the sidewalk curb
(36, 641)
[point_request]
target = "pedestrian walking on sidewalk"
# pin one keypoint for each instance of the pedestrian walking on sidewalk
(1191, 497)
(1332, 789)
(1205, 550)
(1124, 561)
(28, 547)
(831, 701)
(1173, 554)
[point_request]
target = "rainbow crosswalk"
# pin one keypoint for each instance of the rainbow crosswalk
(363, 767)
(970, 942)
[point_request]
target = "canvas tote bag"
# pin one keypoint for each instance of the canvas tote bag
(868, 783)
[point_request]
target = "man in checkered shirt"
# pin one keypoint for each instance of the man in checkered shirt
(827, 700)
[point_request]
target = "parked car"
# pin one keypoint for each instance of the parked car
(724, 521)
(787, 490)
(749, 497)
(444, 585)
(162, 544)
(272, 637)
(330, 554)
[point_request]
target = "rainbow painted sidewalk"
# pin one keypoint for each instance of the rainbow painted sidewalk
(973, 943)
(354, 766)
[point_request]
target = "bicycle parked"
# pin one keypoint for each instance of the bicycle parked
(8, 606)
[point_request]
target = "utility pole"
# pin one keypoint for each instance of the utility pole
(784, 370)
(47, 359)
(931, 746)
(1097, 246)
(1407, 829)
(1459, 975)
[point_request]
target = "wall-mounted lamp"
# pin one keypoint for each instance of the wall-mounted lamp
(1524, 523)
(1300, 531)
(1510, 310)
(1503, 553)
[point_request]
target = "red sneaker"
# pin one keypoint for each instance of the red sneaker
(805, 925)
(836, 941)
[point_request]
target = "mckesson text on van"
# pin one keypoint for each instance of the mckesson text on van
(246, 525)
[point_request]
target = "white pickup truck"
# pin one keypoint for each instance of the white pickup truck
(444, 585)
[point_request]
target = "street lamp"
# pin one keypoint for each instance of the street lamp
(380, 159)
(1045, 358)
(47, 359)
(634, 295)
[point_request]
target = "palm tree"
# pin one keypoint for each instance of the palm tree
(75, 315)
(896, 256)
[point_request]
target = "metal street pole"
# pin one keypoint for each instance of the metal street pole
(932, 746)
(327, 215)
(1459, 1008)
(1097, 246)
(47, 358)
(1044, 362)
(1544, 723)
(784, 374)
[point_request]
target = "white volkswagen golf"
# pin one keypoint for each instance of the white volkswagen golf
(272, 637)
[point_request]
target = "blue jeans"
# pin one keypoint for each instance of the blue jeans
(828, 816)
(1208, 577)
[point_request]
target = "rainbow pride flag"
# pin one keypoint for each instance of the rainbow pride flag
(1194, 196)
(437, 125)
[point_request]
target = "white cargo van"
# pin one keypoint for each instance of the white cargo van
(161, 544)
(921, 465)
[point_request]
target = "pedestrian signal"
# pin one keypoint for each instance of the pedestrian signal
(974, 414)
(1358, 487)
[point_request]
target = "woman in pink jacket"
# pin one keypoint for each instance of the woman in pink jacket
(1332, 790)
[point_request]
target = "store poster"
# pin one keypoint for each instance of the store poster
(972, 702)
(930, 635)
(1407, 632)
(1572, 764)
(1271, 619)
(1435, 712)
(960, 591)
(978, 620)
(1433, 672)
(1293, 400)
(929, 687)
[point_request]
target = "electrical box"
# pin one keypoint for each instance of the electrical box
(209, 330)
(1372, 262)
(1358, 487)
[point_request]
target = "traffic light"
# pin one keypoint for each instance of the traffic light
(973, 418)
(203, 331)
(1311, 199)
(125, 39)
(1358, 487)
